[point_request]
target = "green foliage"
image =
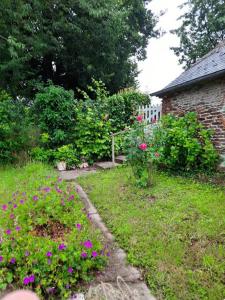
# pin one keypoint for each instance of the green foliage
(41, 215)
(172, 231)
(14, 130)
(185, 144)
(141, 155)
(48, 31)
(67, 154)
(91, 134)
(203, 27)
(42, 155)
(54, 114)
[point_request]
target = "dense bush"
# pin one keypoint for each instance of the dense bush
(47, 241)
(14, 129)
(67, 154)
(141, 153)
(185, 144)
(54, 113)
(91, 134)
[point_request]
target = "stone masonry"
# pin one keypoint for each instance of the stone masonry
(208, 100)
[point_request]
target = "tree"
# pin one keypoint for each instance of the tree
(69, 42)
(203, 27)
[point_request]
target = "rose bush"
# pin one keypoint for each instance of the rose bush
(47, 243)
(141, 153)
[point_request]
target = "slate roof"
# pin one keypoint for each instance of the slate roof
(212, 65)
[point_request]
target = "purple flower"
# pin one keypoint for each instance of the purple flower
(10, 202)
(71, 197)
(47, 189)
(83, 254)
(26, 281)
(68, 286)
(12, 216)
(62, 247)
(1, 258)
(58, 190)
(18, 228)
(4, 207)
(49, 261)
(88, 244)
(94, 254)
(32, 278)
(12, 260)
(78, 226)
(49, 254)
(8, 231)
(35, 197)
(21, 201)
(15, 206)
(59, 179)
(70, 270)
(27, 253)
(108, 254)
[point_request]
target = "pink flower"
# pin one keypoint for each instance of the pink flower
(70, 270)
(157, 154)
(18, 228)
(49, 254)
(71, 198)
(32, 278)
(35, 197)
(62, 247)
(139, 118)
(1, 258)
(143, 147)
(83, 254)
(8, 231)
(26, 281)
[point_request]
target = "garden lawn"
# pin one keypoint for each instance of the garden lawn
(47, 242)
(175, 231)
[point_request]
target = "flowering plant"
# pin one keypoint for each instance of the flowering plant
(141, 153)
(47, 243)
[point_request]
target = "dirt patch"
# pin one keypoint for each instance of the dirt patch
(52, 229)
(151, 198)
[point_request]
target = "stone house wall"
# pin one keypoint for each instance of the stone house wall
(208, 100)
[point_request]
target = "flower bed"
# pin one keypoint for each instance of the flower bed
(47, 241)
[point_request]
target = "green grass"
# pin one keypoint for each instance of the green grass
(175, 231)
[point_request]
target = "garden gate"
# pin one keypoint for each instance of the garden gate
(151, 113)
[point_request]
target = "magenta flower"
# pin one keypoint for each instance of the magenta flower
(8, 231)
(26, 281)
(1, 258)
(78, 226)
(32, 278)
(62, 247)
(15, 206)
(35, 198)
(49, 254)
(143, 147)
(71, 197)
(83, 254)
(70, 270)
(94, 254)
(58, 191)
(12, 260)
(88, 244)
(4, 207)
(12, 216)
(18, 228)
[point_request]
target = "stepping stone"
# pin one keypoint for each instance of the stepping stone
(121, 159)
(105, 165)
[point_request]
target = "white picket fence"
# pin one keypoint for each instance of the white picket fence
(151, 113)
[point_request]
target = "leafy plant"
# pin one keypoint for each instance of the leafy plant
(67, 154)
(141, 153)
(54, 113)
(41, 154)
(91, 134)
(185, 144)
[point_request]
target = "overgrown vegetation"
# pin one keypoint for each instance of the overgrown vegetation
(47, 241)
(173, 231)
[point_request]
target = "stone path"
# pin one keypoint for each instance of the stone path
(117, 265)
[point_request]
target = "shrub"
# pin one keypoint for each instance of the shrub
(14, 130)
(47, 242)
(42, 155)
(92, 138)
(141, 153)
(54, 114)
(67, 154)
(185, 144)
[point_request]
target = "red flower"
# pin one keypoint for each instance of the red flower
(143, 147)
(140, 118)
(157, 154)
